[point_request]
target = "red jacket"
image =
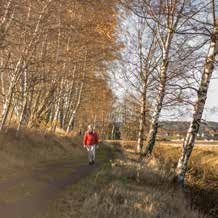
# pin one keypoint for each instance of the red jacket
(90, 138)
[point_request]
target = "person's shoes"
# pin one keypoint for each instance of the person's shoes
(90, 162)
(93, 162)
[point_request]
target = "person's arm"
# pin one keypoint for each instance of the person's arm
(85, 140)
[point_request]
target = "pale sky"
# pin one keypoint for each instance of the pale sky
(212, 99)
(211, 107)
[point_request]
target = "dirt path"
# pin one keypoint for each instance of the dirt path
(28, 196)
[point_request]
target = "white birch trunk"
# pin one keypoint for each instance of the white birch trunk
(113, 132)
(143, 97)
(4, 24)
(34, 110)
(142, 118)
(56, 116)
(3, 20)
(57, 110)
(73, 116)
(69, 104)
(24, 105)
(18, 69)
(2, 79)
(157, 109)
(6, 107)
(198, 111)
(94, 121)
(171, 26)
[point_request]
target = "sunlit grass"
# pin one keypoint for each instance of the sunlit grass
(122, 188)
(32, 149)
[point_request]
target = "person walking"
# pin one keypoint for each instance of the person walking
(90, 141)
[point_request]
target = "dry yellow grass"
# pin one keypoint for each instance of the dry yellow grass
(203, 161)
(137, 193)
(32, 147)
(202, 176)
(124, 188)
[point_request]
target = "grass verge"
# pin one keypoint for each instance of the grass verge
(32, 148)
(202, 176)
(123, 188)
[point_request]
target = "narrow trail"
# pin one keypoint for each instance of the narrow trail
(28, 196)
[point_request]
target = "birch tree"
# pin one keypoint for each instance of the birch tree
(162, 19)
(21, 64)
(171, 13)
(77, 104)
(198, 109)
(42, 81)
(5, 20)
(148, 65)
